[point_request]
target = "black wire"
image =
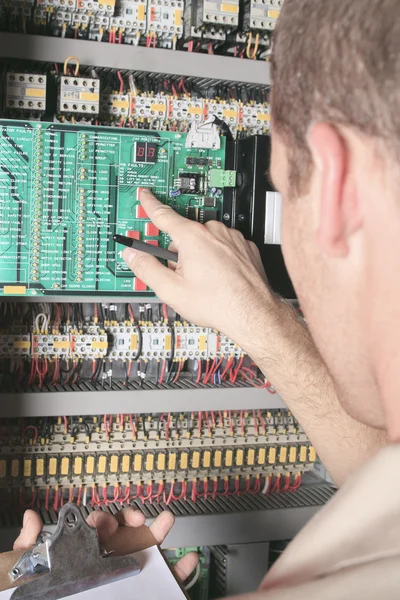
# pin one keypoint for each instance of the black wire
(140, 343)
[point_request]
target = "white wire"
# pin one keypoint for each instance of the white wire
(266, 486)
(195, 578)
(84, 496)
(132, 85)
(45, 321)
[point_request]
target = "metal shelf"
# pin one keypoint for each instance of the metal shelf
(45, 403)
(234, 520)
(115, 56)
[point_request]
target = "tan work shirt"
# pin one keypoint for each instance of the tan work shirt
(351, 548)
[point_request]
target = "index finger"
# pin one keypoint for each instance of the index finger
(163, 216)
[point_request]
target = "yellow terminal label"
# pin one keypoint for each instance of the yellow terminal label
(126, 463)
(292, 454)
(40, 467)
(195, 110)
(99, 345)
(251, 456)
(15, 468)
(161, 461)
(137, 463)
(102, 464)
(149, 462)
(65, 465)
(158, 107)
(35, 93)
(21, 344)
(90, 465)
(61, 345)
(172, 462)
(184, 460)
(52, 466)
(303, 453)
(283, 454)
(272, 456)
(27, 467)
(14, 289)
(228, 458)
(274, 14)
(140, 12)
(202, 343)
(107, 2)
(262, 454)
(263, 117)
(114, 460)
(3, 468)
(195, 460)
(230, 8)
(207, 459)
(89, 97)
(217, 458)
(312, 456)
(178, 18)
(230, 113)
(78, 464)
(133, 343)
(120, 104)
(168, 342)
(239, 457)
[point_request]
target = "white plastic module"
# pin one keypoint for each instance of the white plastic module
(79, 95)
(26, 91)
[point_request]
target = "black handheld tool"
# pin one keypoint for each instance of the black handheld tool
(143, 247)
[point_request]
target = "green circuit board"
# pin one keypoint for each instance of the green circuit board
(66, 189)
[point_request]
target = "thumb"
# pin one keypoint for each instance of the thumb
(31, 527)
(149, 269)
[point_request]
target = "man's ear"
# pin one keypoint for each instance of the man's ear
(339, 210)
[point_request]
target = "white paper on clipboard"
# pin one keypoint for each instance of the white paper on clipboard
(154, 582)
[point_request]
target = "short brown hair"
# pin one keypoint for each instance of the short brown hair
(335, 61)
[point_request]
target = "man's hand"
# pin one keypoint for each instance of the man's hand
(219, 280)
(109, 530)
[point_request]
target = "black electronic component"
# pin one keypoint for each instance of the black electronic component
(208, 215)
(200, 161)
(193, 213)
(209, 201)
(188, 183)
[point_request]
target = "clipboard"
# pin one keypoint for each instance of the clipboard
(71, 564)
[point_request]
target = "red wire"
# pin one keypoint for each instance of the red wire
(131, 314)
(121, 86)
(198, 378)
(194, 490)
(178, 372)
(79, 496)
(208, 423)
(71, 494)
(55, 503)
(161, 379)
(209, 373)
(35, 432)
(47, 498)
(225, 371)
(120, 37)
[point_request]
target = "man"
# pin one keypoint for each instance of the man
(336, 144)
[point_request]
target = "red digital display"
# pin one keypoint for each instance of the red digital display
(146, 152)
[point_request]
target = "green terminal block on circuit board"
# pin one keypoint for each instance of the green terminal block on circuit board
(222, 179)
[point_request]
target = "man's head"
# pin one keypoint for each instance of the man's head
(336, 161)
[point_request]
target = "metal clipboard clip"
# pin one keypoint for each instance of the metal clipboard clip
(68, 562)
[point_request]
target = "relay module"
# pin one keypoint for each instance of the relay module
(66, 189)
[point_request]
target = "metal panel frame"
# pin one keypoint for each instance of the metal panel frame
(52, 404)
(115, 56)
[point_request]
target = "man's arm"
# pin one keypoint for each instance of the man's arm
(285, 352)
(219, 282)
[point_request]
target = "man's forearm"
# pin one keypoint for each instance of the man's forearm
(285, 352)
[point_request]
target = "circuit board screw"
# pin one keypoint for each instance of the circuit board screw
(226, 216)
